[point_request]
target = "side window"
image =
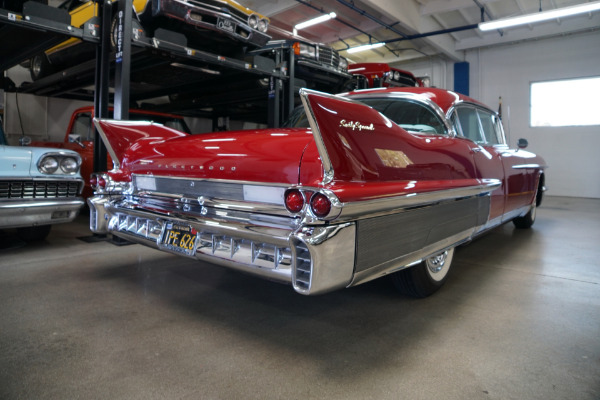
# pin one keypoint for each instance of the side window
(489, 126)
(468, 124)
(82, 125)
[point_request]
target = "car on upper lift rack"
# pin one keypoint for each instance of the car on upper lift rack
(222, 26)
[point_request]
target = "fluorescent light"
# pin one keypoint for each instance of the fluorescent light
(365, 47)
(314, 21)
(541, 16)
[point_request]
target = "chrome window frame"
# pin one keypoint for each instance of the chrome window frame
(499, 130)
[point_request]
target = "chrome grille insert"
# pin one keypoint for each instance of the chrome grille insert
(303, 267)
(29, 189)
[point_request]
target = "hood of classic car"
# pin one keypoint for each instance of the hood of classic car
(271, 155)
(14, 161)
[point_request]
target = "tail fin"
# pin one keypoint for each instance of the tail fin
(351, 137)
(119, 136)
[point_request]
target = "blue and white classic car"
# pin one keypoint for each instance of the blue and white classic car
(39, 187)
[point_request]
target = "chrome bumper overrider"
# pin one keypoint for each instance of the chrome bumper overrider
(25, 212)
(313, 259)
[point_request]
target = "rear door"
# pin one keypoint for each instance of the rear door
(487, 145)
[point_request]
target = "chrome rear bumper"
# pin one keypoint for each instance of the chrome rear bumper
(313, 260)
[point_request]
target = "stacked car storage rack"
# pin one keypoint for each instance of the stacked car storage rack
(161, 65)
(198, 83)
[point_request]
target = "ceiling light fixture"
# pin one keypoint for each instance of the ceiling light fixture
(539, 17)
(365, 47)
(314, 21)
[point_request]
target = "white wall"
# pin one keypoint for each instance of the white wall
(507, 71)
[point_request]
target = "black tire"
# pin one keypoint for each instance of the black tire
(34, 233)
(526, 221)
(426, 278)
(39, 67)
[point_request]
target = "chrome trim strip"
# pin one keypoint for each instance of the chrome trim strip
(328, 172)
(527, 166)
(109, 148)
(371, 208)
(44, 178)
(519, 212)
(490, 224)
(225, 181)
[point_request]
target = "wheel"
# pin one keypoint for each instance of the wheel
(34, 233)
(526, 221)
(39, 67)
(426, 278)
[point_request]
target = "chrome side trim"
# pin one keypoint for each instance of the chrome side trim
(519, 212)
(490, 224)
(371, 208)
(528, 166)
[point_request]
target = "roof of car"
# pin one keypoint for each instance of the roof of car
(442, 97)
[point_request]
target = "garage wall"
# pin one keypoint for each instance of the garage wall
(507, 71)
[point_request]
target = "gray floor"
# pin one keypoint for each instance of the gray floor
(518, 319)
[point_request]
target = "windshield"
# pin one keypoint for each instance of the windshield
(410, 115)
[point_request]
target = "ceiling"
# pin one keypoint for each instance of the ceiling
(411, 28)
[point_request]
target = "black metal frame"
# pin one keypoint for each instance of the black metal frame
(138, 51)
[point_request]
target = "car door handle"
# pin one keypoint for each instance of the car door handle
(476, 149)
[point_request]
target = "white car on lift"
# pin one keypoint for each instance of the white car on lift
(39, 187)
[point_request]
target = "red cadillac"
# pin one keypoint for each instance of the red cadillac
(358, 186)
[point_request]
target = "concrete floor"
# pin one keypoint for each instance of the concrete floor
(519, 318)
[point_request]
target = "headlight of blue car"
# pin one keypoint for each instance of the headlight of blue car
(54, 163)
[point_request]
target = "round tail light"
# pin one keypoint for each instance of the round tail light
(93, 181)
(294, 200)
(101, 182)
(320, 205)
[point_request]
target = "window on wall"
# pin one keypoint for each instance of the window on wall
(570, 102)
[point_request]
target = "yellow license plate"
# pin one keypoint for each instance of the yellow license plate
(179, 238)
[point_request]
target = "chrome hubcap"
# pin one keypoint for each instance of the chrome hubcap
(439, 264)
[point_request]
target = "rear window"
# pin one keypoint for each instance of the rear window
(412, 116)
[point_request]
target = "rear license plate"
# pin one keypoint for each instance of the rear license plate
(179, 238)
(226, 25)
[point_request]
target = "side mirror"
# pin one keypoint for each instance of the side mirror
(73, 138)
(522, 143)
(24, 141)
